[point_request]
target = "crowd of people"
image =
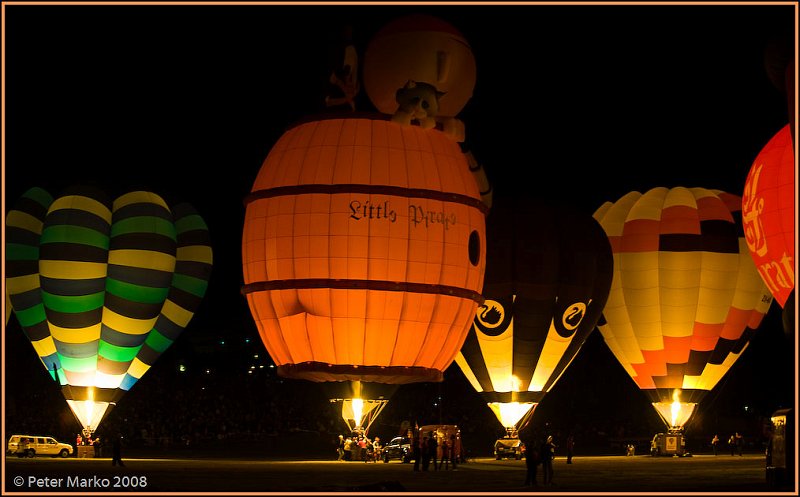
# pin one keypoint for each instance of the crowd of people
(432, 447)
(175, 410)
(736, 443)
(359, 447)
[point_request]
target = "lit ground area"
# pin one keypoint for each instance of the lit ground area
(615, 474)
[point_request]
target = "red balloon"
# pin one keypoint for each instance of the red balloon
(768, 214)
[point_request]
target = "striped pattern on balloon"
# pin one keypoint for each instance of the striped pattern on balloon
(686, 297)
(101, 288)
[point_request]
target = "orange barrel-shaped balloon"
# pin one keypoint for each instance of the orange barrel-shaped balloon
(363, 251)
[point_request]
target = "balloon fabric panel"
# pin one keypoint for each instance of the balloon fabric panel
(24, 225)
(73, 264)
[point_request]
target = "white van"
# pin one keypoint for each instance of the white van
(509, 447)
(36, 445)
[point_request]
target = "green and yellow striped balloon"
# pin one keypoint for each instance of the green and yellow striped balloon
(102, 288)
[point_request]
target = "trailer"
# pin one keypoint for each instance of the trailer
(672, 443)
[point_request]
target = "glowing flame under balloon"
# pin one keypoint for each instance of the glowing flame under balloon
(358, 410)
(510, 413)
(359, 414)
(676, 413)
(89, 412)
(675, 409)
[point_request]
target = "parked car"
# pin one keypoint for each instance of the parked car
(397, 448)
(508, 447)
(37, 445)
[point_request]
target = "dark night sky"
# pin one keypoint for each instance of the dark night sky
(576, 103)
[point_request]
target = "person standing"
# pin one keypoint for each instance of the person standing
(376, 448)
(348, 449)
(732, 444)
(715, 443)
(454, 455)
(362, 448)
(548, 453)
(426, 454)
(532, 458)
(416, 447)
(444, 447)
(98, 447)
(570, 448)
(116, 451)
(368, 450)
(340, 448)
(739, 442)
(433, 450)
(22, 447)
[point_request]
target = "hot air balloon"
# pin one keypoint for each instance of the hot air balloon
(101, 289)
(548, 274)
(686, 297)
(363, 252)
(768, 215)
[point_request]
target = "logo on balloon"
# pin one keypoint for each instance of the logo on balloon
(491, 318)
(572, 317)
(369, 210)
(752, 207)
(417, 214)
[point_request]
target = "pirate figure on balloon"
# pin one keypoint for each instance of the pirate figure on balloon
(421, 71)
(343, 84)
(417, 101)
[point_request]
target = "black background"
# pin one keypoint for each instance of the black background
(576, 104)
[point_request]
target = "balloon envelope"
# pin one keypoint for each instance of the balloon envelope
(363, 252)
(768, 214)
(685, 298)
(102, 289)
(548, 274)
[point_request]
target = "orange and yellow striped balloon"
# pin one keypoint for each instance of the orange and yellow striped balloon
(686, 296)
